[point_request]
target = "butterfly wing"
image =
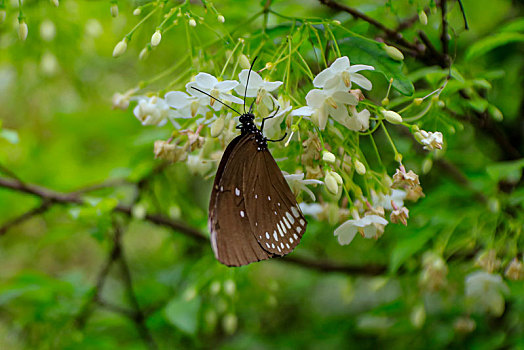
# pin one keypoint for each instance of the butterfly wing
(231, 237)
(275, 216)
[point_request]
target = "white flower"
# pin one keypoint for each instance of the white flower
(298, 184)
(257, 87)
(430, 140)
(359, 121)
(384, 201)
(321, 104)
(365, 226)
(312, 209)
(152, 111)
(340, 75)
(272, 126)
(186, 106)
(219, 90)
(487, 291)
(198, 165)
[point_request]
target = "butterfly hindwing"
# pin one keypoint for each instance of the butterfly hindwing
(231, 235)
(276, 219)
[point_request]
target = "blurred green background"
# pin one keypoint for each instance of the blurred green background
(60, 132)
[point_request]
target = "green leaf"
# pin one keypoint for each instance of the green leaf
(365, 51)
(183, 313)
(483, 46)
(408, 246)
(509, 171)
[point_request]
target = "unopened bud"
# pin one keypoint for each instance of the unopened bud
(495, 113)
(359, 167)
(244, 62)
(192, 22)
(328, 157)
(221, 18)
(331, 183)
(144, 54)
(394, 53)
(337, 177)
(137, 11)
(22, 30)
(120, 48)
(398, 157)
(418, 101)
(269, 65)
(114, 10)
(155, 39)
(422, 17)
(336, 22)
(217, 127)
(427, 165)
(392, 117)
(385, 101)
(418, 316)
(55, 2)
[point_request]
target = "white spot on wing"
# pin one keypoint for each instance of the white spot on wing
(295, 212)
(302, 222)
(283, 227)
(273, 245)
(290, 218)
(275, 235)
(299, 229)
(282, 245)
(221, 188)
(242, 214)
(256, 196)
(267, 235)
(290, 240)
(286, 222)
(294, 235)
(279, 249)
(287, 245)
(280, 230)
(268, 198)
(237, 192)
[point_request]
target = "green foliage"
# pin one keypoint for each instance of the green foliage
(90, 266)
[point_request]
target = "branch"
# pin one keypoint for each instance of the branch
(67, 198)
(24, 217)
(444, 38)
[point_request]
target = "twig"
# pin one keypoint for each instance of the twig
(466, 25)
(444, 37)
(24, 217)
(328, 266)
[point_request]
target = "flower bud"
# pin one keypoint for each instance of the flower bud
(331, 183)
(55, 2)
(514, 270)
(427, 164)
(328, 157)
(230, 323)
(422, 17)
(244, 62)
(192, 22)
(229, 287)
(47, 30)
(385, 101)
(155, 39)
(394, 53)
(214, 288)
(495, 113)
(359, 167)
(144, 54)
(392, 117)
(217, 127)
(137, 11)
(22, 30)
(114, 10)
(269, 65)
(221, 18)
(120, 48)
(138, 211)
(418, 101)
(418, 316)
(336, 22)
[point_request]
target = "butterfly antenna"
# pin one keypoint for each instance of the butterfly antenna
(216, 99)
(247, 84)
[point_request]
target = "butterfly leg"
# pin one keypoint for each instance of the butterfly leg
(271, 116)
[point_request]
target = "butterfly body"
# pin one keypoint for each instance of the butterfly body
(253, 214)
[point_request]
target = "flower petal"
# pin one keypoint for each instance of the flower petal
(303, 111)
(340, 64)
(315, 98)
(177, 99)
(345, 97)
(226, 85)
(359, 67)
(322, 77)
(255, 80)
(346, 232)
(205, 80)
(193, 92)
(361, 80)
(271, 85)
(231, 98)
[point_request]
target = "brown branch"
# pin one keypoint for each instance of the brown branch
(24, 217)
(444, 36)
(64, 199)
(390, 33)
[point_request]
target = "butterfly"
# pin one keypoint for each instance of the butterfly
(253, 214)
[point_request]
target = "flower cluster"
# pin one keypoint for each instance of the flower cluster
(335, 98)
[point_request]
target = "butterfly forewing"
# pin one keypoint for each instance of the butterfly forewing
(231, 235)
(275, 217)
